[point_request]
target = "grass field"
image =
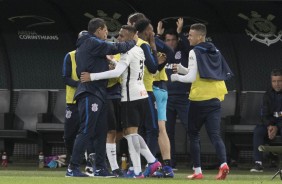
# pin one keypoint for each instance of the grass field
(32, 175)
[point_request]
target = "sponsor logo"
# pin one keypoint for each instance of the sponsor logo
(262, 29)
(177, 55)
(68, 114)
(94, 107)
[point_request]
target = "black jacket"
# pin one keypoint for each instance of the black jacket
(91, 57)
(272, 102)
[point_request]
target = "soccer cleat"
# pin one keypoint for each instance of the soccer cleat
(257, 168)
(139, 176)
(75, 172)
(118, 173)
(165, 172)
(149, 171)
(195, 176)
(103, 173)
(222, 173)
(168, 172)
(130, 173)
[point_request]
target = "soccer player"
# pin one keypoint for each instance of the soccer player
(155, 122)
(207, 71)
(91, 57)
(133, 102)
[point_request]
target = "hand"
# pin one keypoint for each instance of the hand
(160, 29)
(174, 77)
(272, 131)
(179, 24)
(110, 58)
(174, 68)
(161, 58)
(85, 77)
(112, 65)
(152, 41)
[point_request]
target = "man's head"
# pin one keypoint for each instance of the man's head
(98, 27)
(133, 18)
(276, 79)
(197, 34)
(144, 28)
(126, 33)
(171, 38)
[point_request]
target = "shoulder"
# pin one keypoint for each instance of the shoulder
(192, 55)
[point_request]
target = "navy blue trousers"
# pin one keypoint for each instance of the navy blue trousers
(92, 130)
(177, 105)
(206, 113)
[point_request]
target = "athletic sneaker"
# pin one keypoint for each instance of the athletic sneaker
(165, 172)
(104, 173)
(195, 176)
(168, 172)
(130, 173)
(222, 173)
(257, 168)
(152, 168)
(118, 173)
(75, 172)
(139, 176)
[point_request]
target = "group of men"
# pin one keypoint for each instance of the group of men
(152, 89)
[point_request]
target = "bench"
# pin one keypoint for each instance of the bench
(20, 126)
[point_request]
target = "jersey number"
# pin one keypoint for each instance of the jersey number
(141, 73)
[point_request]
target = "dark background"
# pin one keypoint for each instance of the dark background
(36, 64)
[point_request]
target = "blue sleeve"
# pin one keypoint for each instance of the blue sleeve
(151, 61)
(184, 42)
(103, 48)
(67, 71)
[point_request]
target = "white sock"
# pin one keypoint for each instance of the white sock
(145, 152)
(134, 151)
(223, 164)
(112, 155)
(259, 162)
(197, 170)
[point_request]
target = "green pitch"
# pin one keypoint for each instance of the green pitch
(32, 175)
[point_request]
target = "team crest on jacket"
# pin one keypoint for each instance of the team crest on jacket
(68, 114)
(177, 55)
(94, 107)
(262, 29)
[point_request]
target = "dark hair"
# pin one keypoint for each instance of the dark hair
(142, 24)
(96, 23)
(276, 72)
(200, 28)
(133, 18)
(129, 28)
(171, 32)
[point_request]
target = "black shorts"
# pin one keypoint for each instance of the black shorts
(133, 113)
(114, 120)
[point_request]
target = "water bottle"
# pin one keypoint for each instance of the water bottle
(41, 160)
(123, 162)
(4, 159)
